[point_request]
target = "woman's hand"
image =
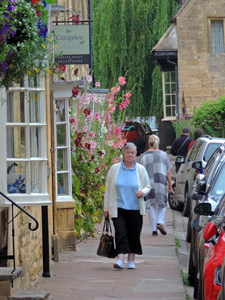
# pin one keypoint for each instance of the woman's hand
(139, 194)
(106, 214)
(170, 189)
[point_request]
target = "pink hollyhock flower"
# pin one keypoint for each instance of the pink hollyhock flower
(89, 78)
(122, 106)
(112, 107)
(107, 118)
(122, 80)
(117, 130)
(122, 127)
(97, 84)
(85, 128)
(115, 160)
(127, 101)
(91, 134)
(120, 144)
(93, 144)
(73, 121)
(114, 146)
(97, 116)
(128, 95)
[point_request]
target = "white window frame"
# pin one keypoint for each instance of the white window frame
(171, 94)
(29, 198)
(67, 197)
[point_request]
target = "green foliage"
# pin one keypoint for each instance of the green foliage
(185, 278)
(124, 32)
(210, 117)
(96, 142)
(178, 125)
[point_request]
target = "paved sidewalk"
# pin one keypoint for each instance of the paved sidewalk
(82, 275)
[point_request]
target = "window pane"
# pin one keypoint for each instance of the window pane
(62, 160)
(34, 107)
(15, 107)
(217, 36)
(36, 177)
(61, 134)
(167, 88)
(167, 77)
(62, 181)
(174, 111)
(16, 146)
(173, 77)
(168, 100)
(168, 111)
(173, 99)
(16, 179)
(35, 142)
(60, 110)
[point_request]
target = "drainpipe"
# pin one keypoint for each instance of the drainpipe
(176, 80)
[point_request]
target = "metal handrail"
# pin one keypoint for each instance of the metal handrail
(13, 230)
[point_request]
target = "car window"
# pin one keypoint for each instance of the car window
(218, 188)
(209, 150)
(212, 162)
(196, 150)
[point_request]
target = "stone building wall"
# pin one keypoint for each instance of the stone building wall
(201, 73)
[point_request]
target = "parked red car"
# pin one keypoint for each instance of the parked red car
(134, 132)
(215, 253)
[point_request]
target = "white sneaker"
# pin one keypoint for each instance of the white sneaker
(119, 264)
(130, 264)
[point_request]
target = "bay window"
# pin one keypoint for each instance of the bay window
(24, 143)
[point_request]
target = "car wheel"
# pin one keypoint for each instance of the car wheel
(187, 203)
(173, 203)
(191, 270)
(188, 236)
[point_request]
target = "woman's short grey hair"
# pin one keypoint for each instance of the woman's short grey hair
(128, 146)
(153, 141)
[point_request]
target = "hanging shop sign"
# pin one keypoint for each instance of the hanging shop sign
(72, 44)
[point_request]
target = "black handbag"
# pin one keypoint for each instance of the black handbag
(106, 246)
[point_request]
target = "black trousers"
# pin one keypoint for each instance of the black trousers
(128, 226)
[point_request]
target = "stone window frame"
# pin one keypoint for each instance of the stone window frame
(170, 94)
(23, 127)
(210, 34)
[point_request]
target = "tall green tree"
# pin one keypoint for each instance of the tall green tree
(123, 34)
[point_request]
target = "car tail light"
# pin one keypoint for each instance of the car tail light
(217, 275)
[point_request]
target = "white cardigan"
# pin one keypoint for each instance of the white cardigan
(110, 200)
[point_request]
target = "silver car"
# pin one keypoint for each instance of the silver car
(201, 150)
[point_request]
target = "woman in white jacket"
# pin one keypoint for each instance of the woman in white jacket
(126, 185)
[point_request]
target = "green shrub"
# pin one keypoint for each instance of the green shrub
(210, 117)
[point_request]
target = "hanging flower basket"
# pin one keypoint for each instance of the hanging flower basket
(23, 42)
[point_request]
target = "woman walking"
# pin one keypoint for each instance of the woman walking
(127, 183)
(158, 167)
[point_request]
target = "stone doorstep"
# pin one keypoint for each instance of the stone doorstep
(30, 295)
(7, 275)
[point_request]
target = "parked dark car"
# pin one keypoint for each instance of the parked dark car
(134, 132)
(201, 150)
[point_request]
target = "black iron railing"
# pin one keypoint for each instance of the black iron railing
(12, 256)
